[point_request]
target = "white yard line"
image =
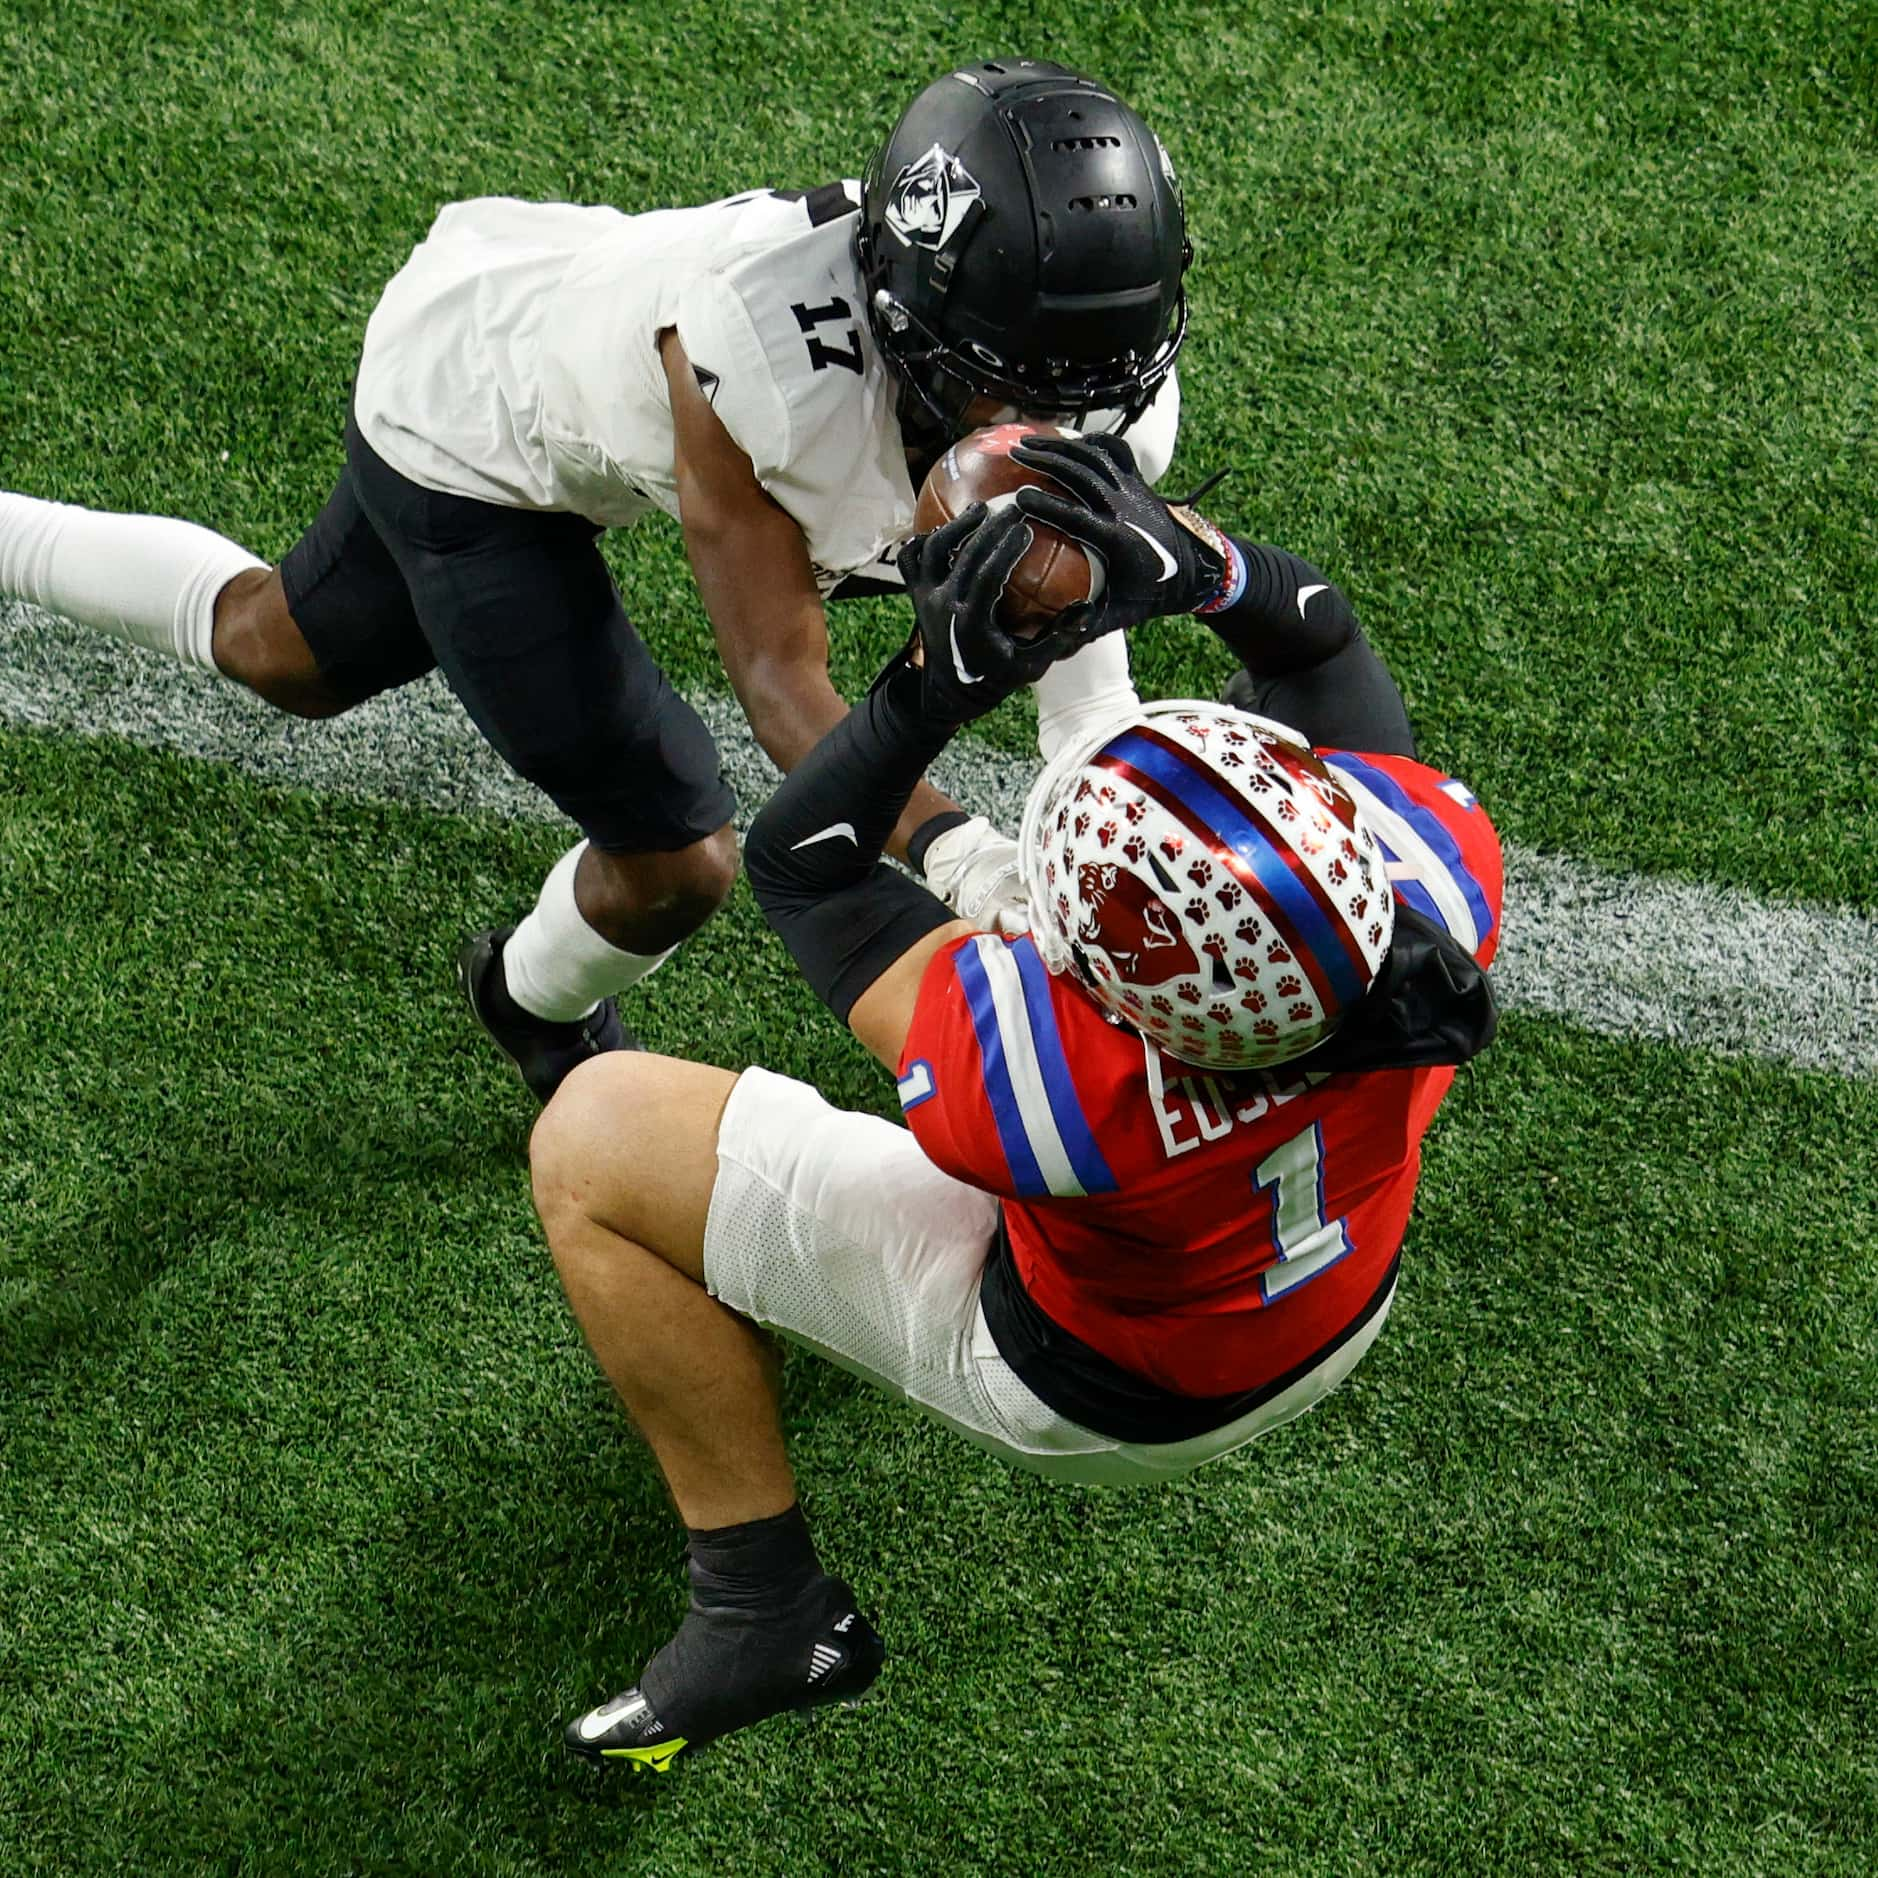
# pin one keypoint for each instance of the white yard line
(1617, 953)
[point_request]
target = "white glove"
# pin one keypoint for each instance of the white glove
(973, 869)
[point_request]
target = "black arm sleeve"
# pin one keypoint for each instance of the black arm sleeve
(813, 854)
(1306, 661)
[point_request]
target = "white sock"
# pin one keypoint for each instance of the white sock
(143, 578)
(1084, 691)
(556, 964)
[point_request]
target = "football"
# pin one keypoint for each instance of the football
(1055, 572)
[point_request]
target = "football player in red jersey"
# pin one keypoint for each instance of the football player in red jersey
(1160, 1150)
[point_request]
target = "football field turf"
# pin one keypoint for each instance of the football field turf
(1551, 333)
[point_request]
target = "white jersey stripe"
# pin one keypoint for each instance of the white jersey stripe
(1026, 1072)
(1421, 862)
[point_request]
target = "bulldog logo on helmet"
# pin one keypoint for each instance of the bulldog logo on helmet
(930, 199)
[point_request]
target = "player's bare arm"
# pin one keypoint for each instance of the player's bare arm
(752, 567)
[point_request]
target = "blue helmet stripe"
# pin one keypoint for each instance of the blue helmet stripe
(1284, 891)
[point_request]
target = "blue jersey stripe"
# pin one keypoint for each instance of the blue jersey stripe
(1218, 811)
(1431, 828)
(1026, 1176)
(1079, 1141)
(1413, 893)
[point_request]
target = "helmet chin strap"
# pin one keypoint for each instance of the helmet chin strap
(926, 427)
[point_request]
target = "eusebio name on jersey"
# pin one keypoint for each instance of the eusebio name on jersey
(1197, 1107)
(514, 359)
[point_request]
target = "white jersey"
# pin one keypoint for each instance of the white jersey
(514, 359)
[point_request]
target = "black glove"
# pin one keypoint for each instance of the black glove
(969, 664)
(1158, 560)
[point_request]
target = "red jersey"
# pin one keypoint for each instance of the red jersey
(1205, 1232)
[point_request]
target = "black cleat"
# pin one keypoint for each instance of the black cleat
(835, 1660)
(542, 1051)
(626, 1730)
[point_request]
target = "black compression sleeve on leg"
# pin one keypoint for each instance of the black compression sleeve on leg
(1307, 662)
(813, 854)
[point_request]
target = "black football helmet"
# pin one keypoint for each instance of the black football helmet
(1022, 237)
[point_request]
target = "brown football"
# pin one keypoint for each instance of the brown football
(1055, 572)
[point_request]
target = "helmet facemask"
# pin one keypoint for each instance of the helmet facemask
(944, 379)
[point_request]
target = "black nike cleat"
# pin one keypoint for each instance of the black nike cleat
(542, 1051)
(835, 1660)
(626, 1730)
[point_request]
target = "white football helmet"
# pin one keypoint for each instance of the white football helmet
(1208, 881)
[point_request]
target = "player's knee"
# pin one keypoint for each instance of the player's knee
(649, 902)
(258, 645)
(580, 1135)
(555, 1152)
(709, 872)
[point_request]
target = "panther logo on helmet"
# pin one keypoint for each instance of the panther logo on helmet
(1123, 915)
(930, 199)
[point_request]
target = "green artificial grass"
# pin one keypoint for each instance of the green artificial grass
(320, 1520)
(1548, 331)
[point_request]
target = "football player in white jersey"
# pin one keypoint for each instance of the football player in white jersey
(774, 371)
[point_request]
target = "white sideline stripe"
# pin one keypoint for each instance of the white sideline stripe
(1617, 953)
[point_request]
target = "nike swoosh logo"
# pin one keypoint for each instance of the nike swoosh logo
(1304, 593)
(843, 831)
(1169, 566)
(593, 1726)
(958, 664)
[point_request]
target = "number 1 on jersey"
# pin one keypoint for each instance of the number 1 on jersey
(1305, 1241)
